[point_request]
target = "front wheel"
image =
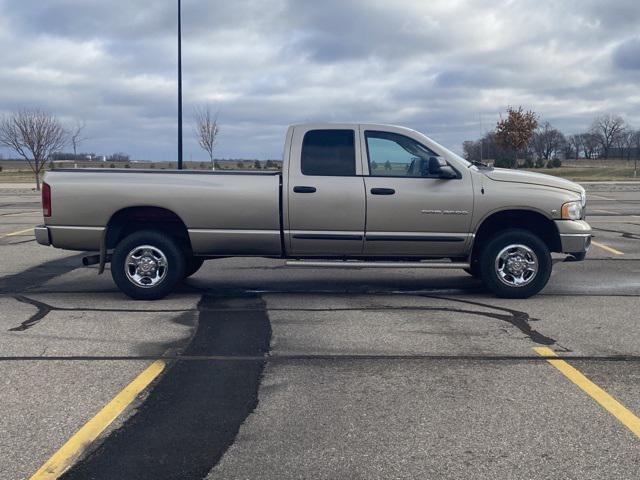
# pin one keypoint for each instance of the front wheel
(516, 264)
(147, 265)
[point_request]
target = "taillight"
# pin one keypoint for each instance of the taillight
(46, 200)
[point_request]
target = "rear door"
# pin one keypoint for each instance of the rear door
(410, 211)
(325, 192)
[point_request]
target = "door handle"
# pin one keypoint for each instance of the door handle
(382, 191)
(301, 189)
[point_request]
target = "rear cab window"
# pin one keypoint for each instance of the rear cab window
(329, 153)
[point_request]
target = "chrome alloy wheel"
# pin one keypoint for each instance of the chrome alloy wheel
(146, 266)
(516, 265)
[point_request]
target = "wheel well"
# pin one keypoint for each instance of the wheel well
(534, 222)
(132, 219)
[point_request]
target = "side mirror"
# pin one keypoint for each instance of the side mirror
(439, 166)
(448, 173)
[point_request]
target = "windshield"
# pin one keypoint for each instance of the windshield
(453, 154)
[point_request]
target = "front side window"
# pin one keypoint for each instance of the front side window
(394, 155)
(329, 153)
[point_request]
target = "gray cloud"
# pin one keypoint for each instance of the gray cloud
(435, 66)
(627, 54)
(335, 30)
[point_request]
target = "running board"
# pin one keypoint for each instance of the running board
(360, 264)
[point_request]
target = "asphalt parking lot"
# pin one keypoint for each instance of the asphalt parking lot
(254, 370)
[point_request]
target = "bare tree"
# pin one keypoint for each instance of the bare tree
(206, 131)
(576, 143)
(590, 144)
(566, 148)
(471, 150)
(635, 138)
(547, 141)
(76, 136)
(607, 128)
(515, 131)
(34, 135)
(625, 143)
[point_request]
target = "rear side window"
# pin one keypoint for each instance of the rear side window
(329, 153)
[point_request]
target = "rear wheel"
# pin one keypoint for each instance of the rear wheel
(515, 264)
(147, 265)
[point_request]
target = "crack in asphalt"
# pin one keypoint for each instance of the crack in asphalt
(42, 311)
(4, 243)
(630, 235)
(21, 204)
(15, 214)
(517, 318)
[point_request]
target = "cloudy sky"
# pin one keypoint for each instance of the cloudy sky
(436, 66)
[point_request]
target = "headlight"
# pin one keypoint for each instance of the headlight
(572, 210)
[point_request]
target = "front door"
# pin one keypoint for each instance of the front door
(409, 210)
(325, 192)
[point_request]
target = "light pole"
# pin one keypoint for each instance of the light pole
(179, 85)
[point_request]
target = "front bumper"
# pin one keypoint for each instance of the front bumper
(575, 235)
(42, 235)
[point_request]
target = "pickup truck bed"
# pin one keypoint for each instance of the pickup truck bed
(216, 206)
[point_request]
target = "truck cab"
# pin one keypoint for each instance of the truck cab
(374, 191)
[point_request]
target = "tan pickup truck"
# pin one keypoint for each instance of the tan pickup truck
(349, 195)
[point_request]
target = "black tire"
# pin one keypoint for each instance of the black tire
(532, 283)
(193, 265)
(172, 273)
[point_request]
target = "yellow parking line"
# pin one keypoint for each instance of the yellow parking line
(82, 439)
(606, 401)
(13, 234)
(607, 248)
